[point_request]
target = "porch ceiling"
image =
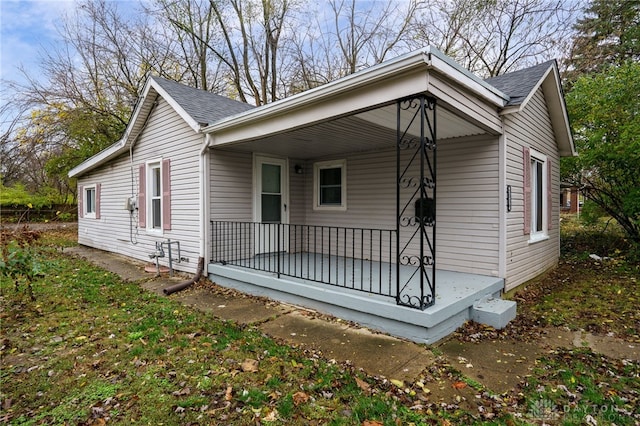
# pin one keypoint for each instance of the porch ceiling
(369, 130)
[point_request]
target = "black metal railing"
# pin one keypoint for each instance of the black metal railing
(355, 258)
(416, 201)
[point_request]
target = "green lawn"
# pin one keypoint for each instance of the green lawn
(93, 349)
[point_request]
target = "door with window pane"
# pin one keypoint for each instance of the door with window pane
(271, 205)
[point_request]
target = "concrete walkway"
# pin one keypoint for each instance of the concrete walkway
(497, 365)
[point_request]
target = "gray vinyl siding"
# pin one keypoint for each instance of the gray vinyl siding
(467, 198)
(166, 136)
(530, 128)
(231, 193)
(462, 100)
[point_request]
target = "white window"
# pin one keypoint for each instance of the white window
(329, 185)
(154, 197)
(154, 183)
(89, 201)
(539, 199)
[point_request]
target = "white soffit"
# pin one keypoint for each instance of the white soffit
(448, 125)
(381, 84)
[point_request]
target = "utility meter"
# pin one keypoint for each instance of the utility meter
(130, 204)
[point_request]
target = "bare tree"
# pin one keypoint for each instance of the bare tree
(492, 37)
(193, 29)
(252, 36)
(247, 43)
(348, 36)
(12, 159)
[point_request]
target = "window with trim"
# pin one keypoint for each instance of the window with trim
(154, 182)
(89, 201)
(329, 185)
(89, 194)
(538, 195)
(154, 198)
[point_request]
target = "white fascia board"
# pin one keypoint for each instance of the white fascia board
(450, 68)
(129, 137)
(92, 162)
(550, 83)
(326, 91)
(176, 106)
(118, 147)
(559, 114)
(429, 58)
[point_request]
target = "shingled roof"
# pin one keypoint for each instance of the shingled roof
(204, 107)
(519, 84)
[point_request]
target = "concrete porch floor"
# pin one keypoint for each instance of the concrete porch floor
(457, 297)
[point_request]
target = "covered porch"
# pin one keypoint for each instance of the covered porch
(406, 238)
(460, 296)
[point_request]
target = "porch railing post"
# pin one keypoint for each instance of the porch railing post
(416, 201)
(278, 249)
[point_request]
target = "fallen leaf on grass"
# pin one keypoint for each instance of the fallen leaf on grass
(228, 395)
(459, 385)
(363, 385)
(372, 423)
(181, 392)
(271, 417)
(249, 366)
(300, 398)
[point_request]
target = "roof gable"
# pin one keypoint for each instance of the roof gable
(520, 84)
(196, 107)
(202, 107)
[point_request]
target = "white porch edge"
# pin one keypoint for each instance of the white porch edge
(457, 295)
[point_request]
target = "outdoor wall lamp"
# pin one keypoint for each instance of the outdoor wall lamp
(298, 169)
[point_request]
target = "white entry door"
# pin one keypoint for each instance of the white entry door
(271, 197)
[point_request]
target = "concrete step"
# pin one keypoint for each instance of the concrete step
(493, 311)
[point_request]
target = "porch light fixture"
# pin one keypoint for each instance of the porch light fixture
(298, 169)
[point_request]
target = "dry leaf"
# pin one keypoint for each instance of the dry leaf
(300, 398)
(228, 394)
(249, 366)
(271, 417)
(181, 392)
(398, 383)
(372, 423)
(459, 385)
(363, 385)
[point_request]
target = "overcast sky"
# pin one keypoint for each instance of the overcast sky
(27, 28)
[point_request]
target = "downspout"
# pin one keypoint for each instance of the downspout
(203, 208)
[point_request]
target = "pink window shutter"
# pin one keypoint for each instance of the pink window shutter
(166, 195)
(549, 197)
(142, 200)
(98, 185)
(526, 204)
(80, 199)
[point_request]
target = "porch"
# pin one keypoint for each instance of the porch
(339, 210)
(350, 273)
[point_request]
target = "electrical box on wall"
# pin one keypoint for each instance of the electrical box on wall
(130, 204)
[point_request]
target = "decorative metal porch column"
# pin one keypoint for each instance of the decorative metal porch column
(416, 202)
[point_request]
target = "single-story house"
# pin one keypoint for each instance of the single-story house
(407, 196)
